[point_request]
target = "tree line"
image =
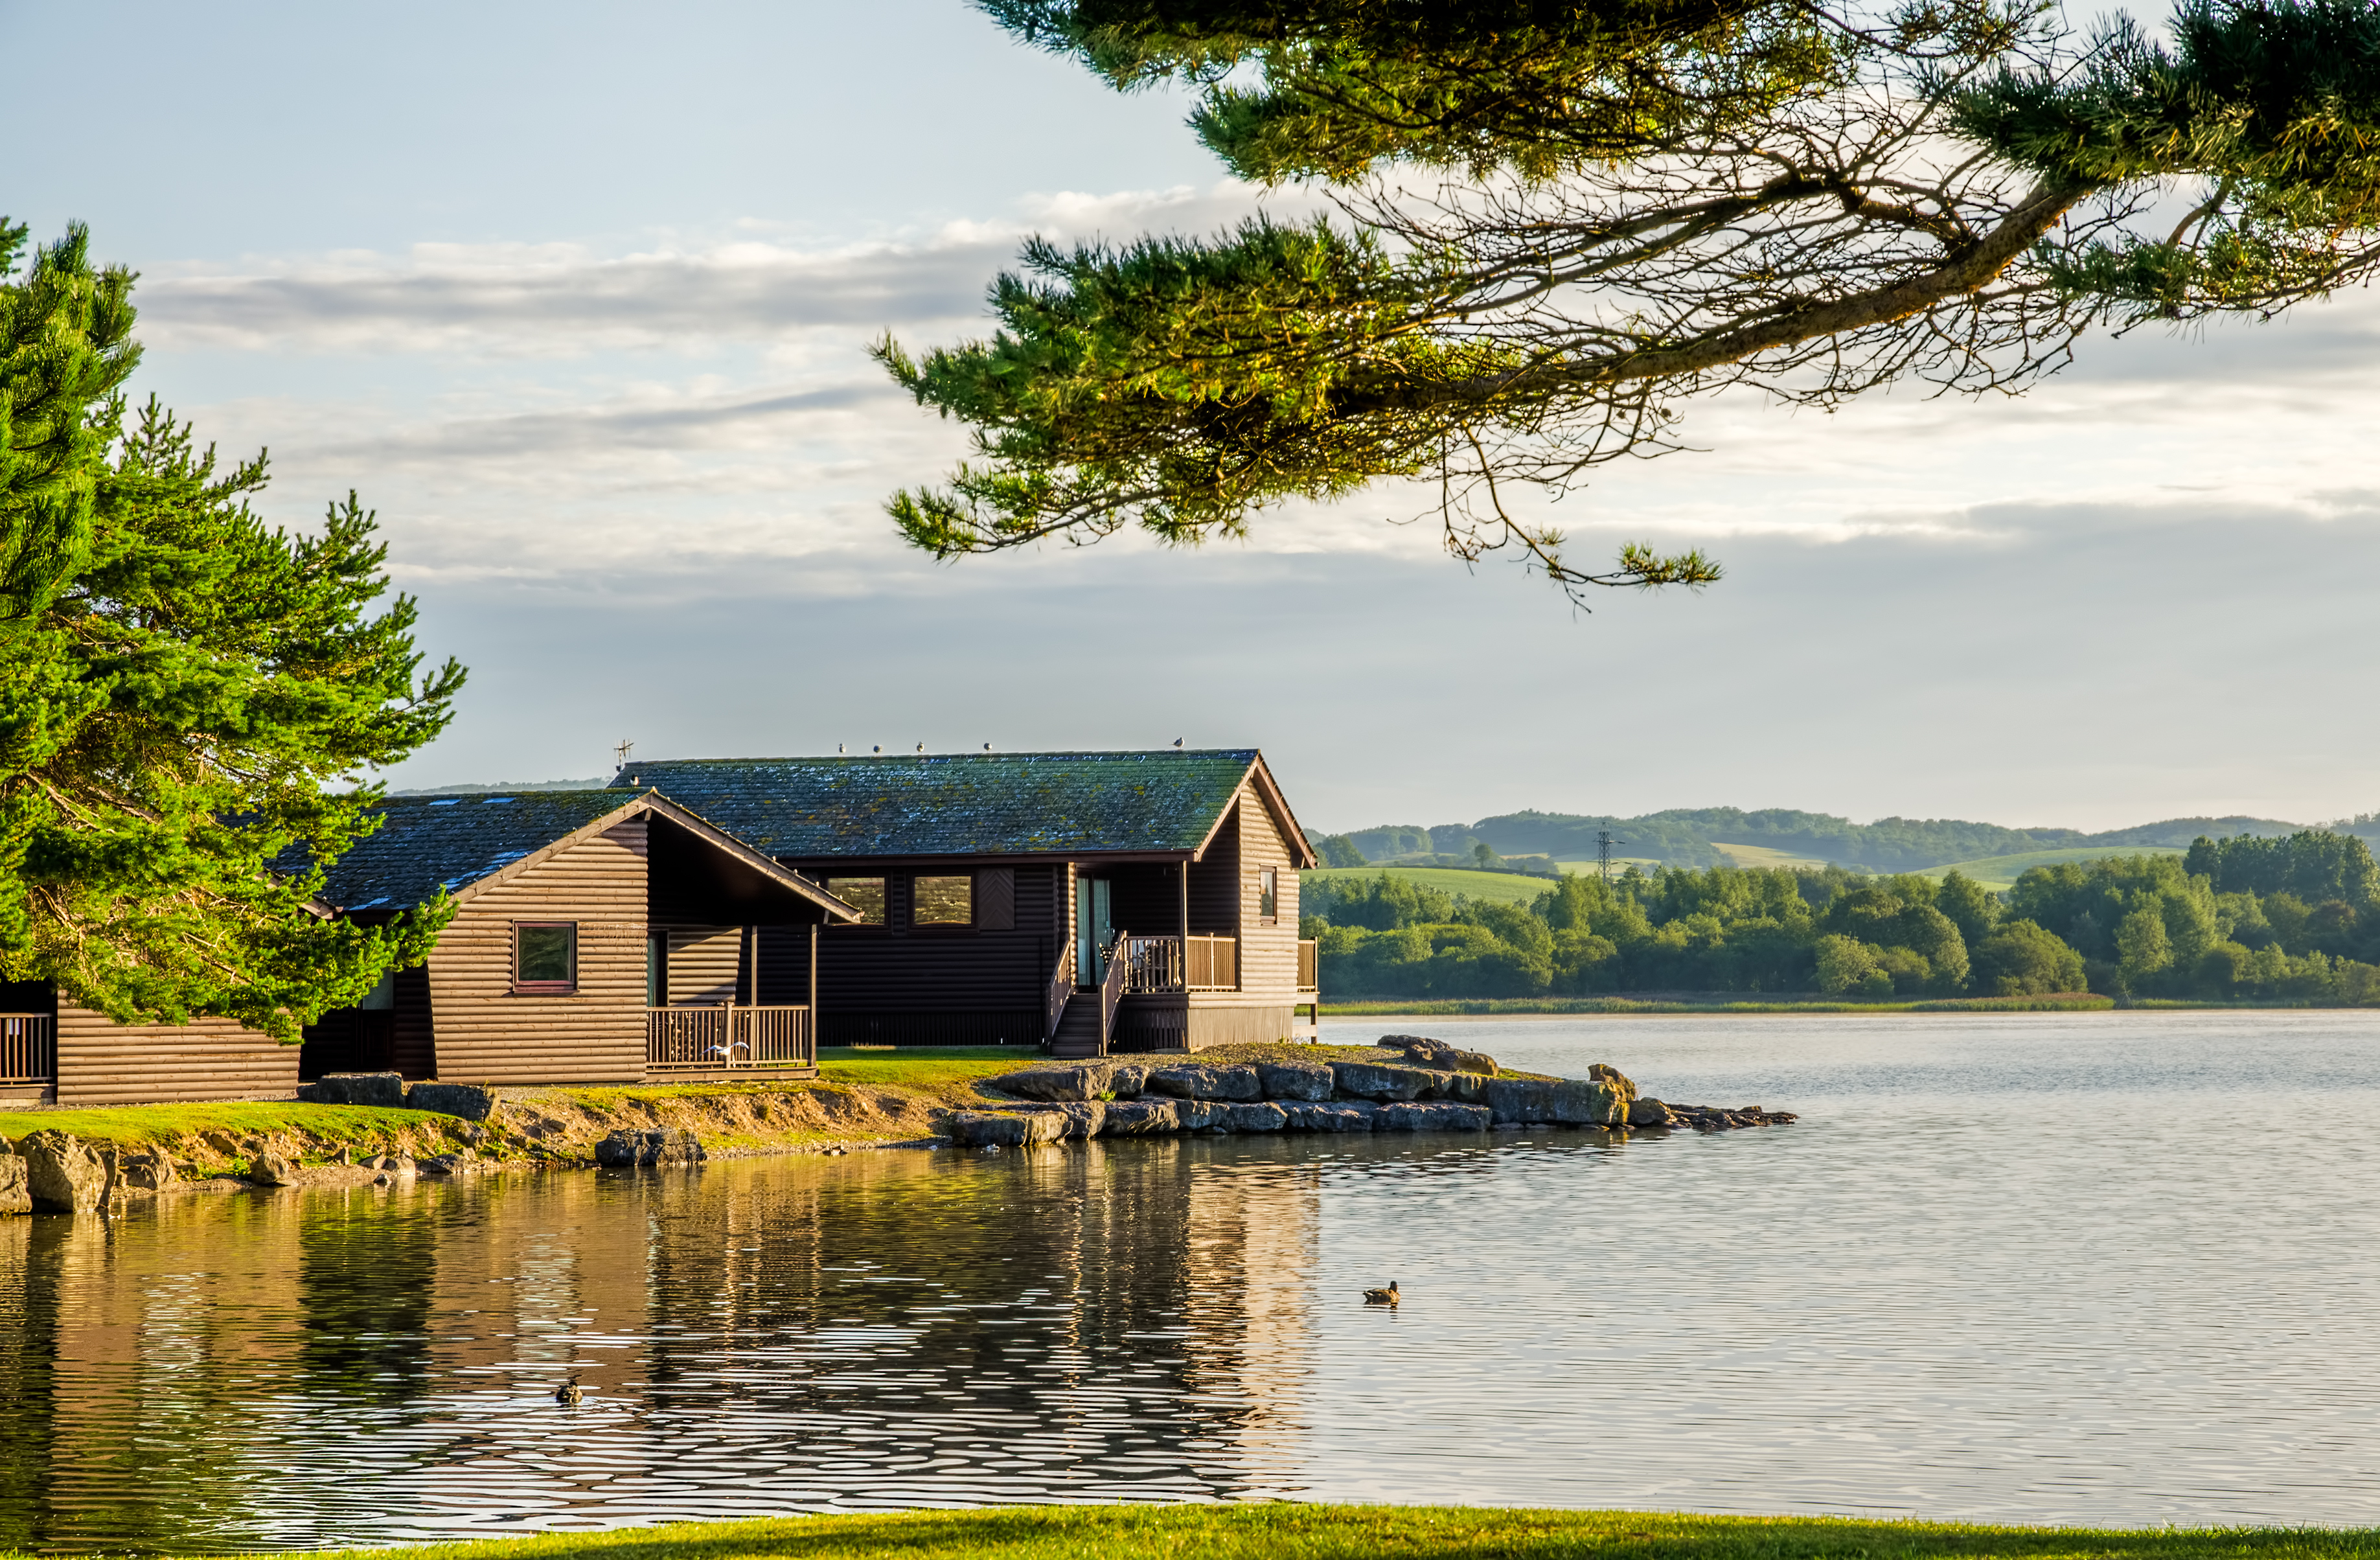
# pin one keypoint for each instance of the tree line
(2294, 918)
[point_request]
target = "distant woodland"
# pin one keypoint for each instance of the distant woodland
(1694, 838)
(2294, 918)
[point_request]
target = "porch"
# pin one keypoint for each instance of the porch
(28, 1056)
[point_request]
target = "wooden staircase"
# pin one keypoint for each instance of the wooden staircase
(1077, 1036)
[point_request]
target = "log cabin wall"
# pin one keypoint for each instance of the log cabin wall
(705, 965)
(903, 984)
(488, 1034)
(1215, 881)
(1144, 897)
(104, 1063)
(1268, 949)
(413, 1049)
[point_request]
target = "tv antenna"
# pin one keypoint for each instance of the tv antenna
(1603, 844)
(622, 751)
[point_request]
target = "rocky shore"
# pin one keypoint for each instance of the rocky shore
(1418, 1085)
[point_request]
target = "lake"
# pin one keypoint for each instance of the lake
(2106, 1268)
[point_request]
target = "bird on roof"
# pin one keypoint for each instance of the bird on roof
(1177, 743)
(567, 1393)
(1387, 1297)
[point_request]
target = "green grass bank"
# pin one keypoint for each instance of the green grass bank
(1297, 1531)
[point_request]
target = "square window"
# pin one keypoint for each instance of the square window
(942, 901)
(864, 895)
(1269, 894)
(545, 957)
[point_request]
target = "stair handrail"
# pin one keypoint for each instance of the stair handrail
(1111, 990)
(1060, 991)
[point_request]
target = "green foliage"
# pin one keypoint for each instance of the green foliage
(2313, 865)
(178, 684)
(2019, 958)
(1338, 851)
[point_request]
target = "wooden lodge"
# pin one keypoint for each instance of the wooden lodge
(597, 938)
(1093, 902)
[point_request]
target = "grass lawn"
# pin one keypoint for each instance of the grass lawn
(2001, 872)
(1298, 1531)
(133, 1125)
(1504, 888)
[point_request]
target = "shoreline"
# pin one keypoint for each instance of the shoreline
(1340, 1531)
(1721, 1005)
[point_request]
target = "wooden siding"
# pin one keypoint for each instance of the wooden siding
(1241, 1023)
(918, 972)
(1146, 899)
(102, 1063)
(486, 1033)
(1215, 879)
(705, 964)
(1268, 953)
(412, 1049)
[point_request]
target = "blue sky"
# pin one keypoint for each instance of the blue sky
(578, 298)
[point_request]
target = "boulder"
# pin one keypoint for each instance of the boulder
(980, 1129)
(629, 1150)
(1142, 1119)
(1087, 1081)
(460, 1162)
(1128, 1078)
(1203, 1116)
(1435, 1116)
(1197, 1080)
(1372, 1080)
(1260, 1115)
(61, 1175)
(1586, 1103)
(470, 1100)
(1648, 1113)
(1519, 1099)
(1084, 1120)
(145, 1171)
(15, 1195)
(1471, 1088)
(400, 1165)
(1295, 1080)
(268, 1169)
(387, 1089)
(1300, 1117)
(1604, 1073)
(1438, 1055)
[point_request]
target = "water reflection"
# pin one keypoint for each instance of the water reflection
(2002, 1271)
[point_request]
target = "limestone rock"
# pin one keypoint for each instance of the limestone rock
(1519, 1099)
(268, 1169)
(400, 1165)
(1371, 1080)
(1084, 1120)
(1261, 1116)
(1438, 1055)
(1468, 1087)
(470, 1100)
(628, 1149)
(1142, 1119)
(145, 1171)
(61, 1175)
(1198, 1080)
(16, 1196)
(1301, 1117)
(1295, 1080)
(461, 1163)
(1435, 1116)
(1085, 1082)
(1604, 1073)
(1584, 1102)
(1203, 1116)
(1645, 1112)
(978, 1129)
(385, 1089)
(1128, 1078)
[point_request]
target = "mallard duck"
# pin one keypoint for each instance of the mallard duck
(1387, 1297)
(567, 1393)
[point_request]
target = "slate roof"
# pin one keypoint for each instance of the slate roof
(429, 843)
(958, 804)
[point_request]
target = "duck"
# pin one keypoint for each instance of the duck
(1387, 1297)
(567, 1393)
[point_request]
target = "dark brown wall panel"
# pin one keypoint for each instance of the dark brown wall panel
(102, 1063)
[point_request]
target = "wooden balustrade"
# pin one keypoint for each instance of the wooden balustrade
(1112, 992)
(1214, 964)
(1165, 964)
(727, 1037)
(28, 1048)
(1060, 992)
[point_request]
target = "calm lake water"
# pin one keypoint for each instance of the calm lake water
(2115, 1269)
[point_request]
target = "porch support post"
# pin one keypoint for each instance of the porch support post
(752, 951)
(1186, 933)
(814, 934)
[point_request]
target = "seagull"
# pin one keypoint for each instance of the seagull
(1387, 1297)
(1177, 743)
(567, 1393)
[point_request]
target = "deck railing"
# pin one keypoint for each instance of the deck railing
(28, 1048)
(1310, 964)
(712, 1039)
(1060, 991)
(1112, 991)
(1165, 964)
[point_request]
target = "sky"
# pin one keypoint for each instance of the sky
(578, 298)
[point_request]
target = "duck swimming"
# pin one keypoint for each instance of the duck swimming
(1387, 1297)
(567, 1393)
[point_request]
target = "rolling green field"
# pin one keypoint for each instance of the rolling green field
(1763, 856)
(2001, 872)
(1504, 888)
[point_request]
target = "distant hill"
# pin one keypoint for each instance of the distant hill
(1700, 837)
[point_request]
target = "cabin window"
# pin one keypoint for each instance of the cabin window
(545, 957)
(382, 997)
(942, 901)
(864, 895)
(1268, 894)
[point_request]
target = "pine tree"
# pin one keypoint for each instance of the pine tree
(183, 691)
(1635, 202)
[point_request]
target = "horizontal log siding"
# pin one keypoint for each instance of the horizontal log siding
(1145, 898)
(1240, 1025)
(897, 968)
(1268, 954)
(486, 1034)
(1215, 881)
(104, 1063)
(784, 967)
(413, 1051)
(704, 964)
